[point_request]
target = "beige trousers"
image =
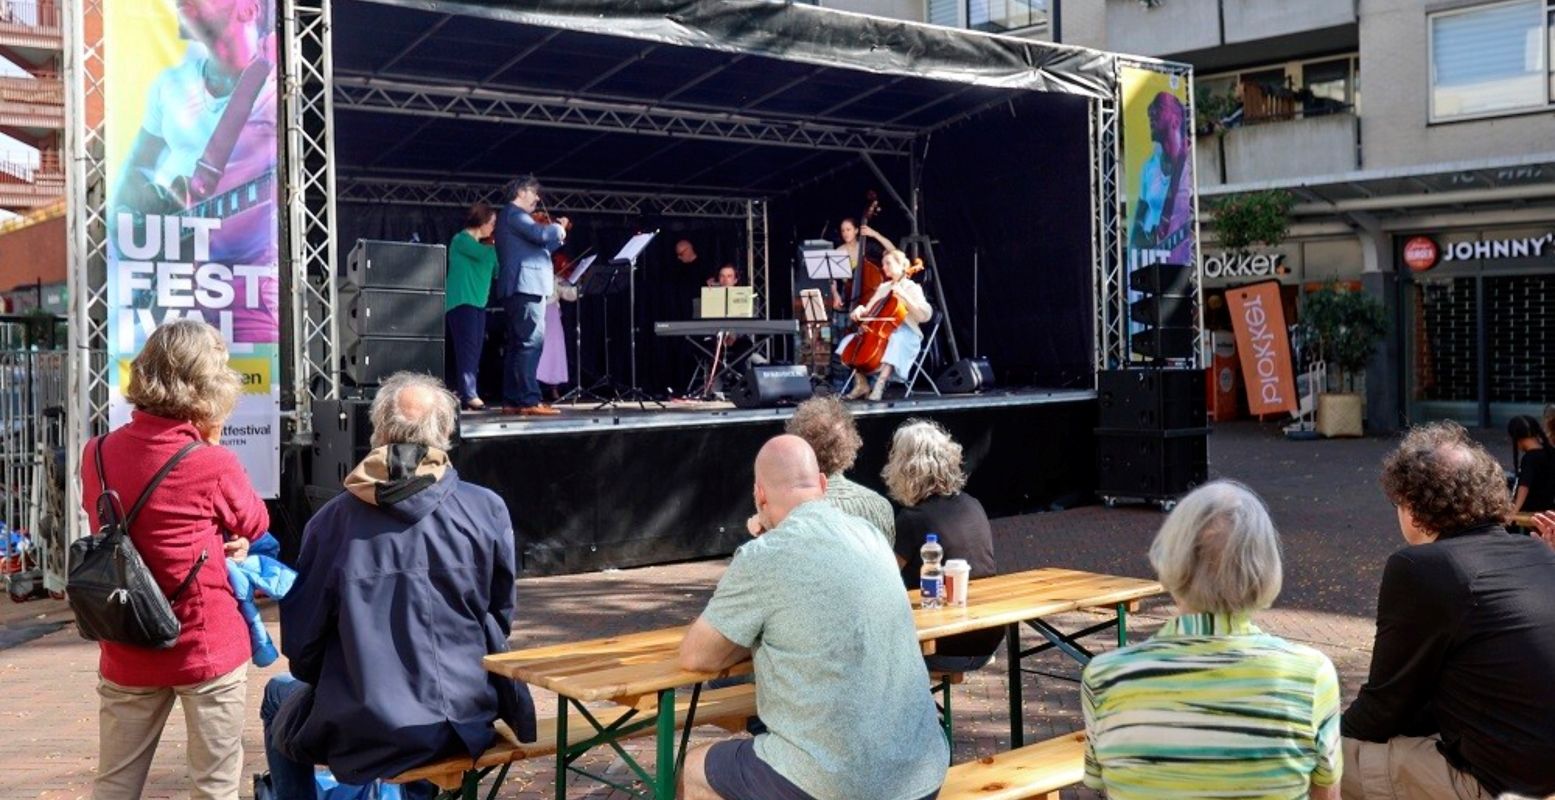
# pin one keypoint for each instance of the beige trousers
(130, 722)
(1404, 768)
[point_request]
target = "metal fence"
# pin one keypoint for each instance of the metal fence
(33, 546)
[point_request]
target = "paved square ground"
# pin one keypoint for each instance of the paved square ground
(1337, 529)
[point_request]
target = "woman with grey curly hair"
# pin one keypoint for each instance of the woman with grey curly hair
(925, 474)
(1457, 703)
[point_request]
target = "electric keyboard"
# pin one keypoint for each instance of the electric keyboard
(736, 326)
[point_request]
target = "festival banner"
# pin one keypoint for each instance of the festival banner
(1259, 321)
(190, 110)
(1157, 167)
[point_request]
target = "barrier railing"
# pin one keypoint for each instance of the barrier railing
(32, 437)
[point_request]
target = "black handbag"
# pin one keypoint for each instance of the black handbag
(112, 592)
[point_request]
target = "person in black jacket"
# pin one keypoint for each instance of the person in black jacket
(1533, 459)
(924, 473)
(1459, 699)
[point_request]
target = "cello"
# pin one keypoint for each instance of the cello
(866, 349)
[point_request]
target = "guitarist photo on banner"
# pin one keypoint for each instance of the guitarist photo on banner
(1162, 229)
(191, 156)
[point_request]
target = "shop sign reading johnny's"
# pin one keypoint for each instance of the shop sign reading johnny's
(1422, 253)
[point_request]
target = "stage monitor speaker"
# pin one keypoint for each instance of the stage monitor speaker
(342, 437)
(370, 359)
(966, 376)
(1153, 465)
(390, 312)
(396, 265)
(1150, 399)
(772, 384)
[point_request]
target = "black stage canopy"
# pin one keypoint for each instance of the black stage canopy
(797, 105)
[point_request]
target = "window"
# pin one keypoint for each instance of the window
(1005, 15)
(1489, 59)
(1326, 86)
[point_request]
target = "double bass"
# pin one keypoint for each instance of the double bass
(869, 275)
(866, 349)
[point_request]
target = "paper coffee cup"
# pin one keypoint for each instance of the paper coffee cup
(957, 574)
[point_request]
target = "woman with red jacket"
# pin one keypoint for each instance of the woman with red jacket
(183, 391)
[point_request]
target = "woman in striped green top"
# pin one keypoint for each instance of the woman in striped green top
(1211, 706)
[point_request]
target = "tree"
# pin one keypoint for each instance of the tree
(1253, 218)
(1347, 325)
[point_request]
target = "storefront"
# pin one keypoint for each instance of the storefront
(1479, 323)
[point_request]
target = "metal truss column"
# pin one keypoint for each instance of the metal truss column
(1109, 259)
(757, 255)
(310, 206)
(86, 255)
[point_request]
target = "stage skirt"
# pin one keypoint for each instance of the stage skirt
(553, 355)
(900, 352)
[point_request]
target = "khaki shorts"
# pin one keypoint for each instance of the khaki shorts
(1404, 768)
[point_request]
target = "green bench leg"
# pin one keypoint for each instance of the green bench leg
(948, 722)
(561, 748)
(1012, 663)
(1123, 624)
(664, 766)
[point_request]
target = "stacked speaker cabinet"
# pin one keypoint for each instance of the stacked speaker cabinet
(391, 301)
(342, 439)
(1151, 440)
(1163, 312)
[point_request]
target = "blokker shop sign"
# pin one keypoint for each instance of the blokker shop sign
(1227, 264)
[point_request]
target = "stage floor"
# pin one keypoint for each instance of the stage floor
(694, 413)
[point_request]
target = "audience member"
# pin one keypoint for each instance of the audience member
(1211, 706)
(1458, 702)
(842, 687)
(925, 475)
(183, 391)
(405, 582)
(1533, 459)
(827, 426)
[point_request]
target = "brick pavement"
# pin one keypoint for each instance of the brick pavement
(1337, 531)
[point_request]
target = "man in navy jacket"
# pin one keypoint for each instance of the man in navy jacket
(525, 280)
(405, 582)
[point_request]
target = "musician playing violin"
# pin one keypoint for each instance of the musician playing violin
(906, 340)
(850, 231)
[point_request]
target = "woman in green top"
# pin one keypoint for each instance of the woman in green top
(471, 266)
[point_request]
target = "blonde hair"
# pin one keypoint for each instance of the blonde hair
(925, 461)
(900, 258)
(182, 373)
(1218, 551)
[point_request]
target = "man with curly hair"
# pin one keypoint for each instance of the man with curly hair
(1460, 701)
(826, 424)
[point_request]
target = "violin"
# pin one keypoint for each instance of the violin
(544, 218)
(561, 263)
(866, 349)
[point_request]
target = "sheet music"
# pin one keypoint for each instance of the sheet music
(828, 264)
(578, 269)
(634, 246)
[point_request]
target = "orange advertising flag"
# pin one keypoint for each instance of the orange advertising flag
(1259, 321)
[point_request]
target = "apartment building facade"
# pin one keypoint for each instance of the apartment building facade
(1418, 138)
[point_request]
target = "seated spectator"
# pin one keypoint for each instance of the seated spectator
(827, 425)
(1534, 462)
(843, 692)
(1459, 699)
(405, 582)
(925, 475)
(183, 391)
(1211, 706)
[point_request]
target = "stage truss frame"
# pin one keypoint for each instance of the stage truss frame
(312, 92)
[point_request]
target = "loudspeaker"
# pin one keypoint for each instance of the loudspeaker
(1151, 464)
(966, 376)
(772, 384)
(390, 312)
(342, 437)
(1165, 309)
(370, 359)
(396, 265)
(1150, 399)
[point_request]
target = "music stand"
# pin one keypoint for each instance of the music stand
(828, 265)
(576, 276)
(626, 261)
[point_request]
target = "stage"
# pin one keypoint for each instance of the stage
(625, 486)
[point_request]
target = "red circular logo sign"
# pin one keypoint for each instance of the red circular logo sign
(1421, 253)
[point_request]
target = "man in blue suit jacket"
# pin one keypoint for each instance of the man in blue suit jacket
(525, 281)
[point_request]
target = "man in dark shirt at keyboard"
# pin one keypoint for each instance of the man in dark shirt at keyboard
(1460, 701)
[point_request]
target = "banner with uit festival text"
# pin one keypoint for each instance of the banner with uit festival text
(190, 109)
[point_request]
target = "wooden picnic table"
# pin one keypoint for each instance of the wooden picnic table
(640, 672)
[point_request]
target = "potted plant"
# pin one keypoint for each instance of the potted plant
(1346, 327)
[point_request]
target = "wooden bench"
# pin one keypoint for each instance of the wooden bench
(726, 708)
(1037, 770)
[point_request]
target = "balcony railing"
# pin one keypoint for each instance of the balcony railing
(45, 89)
(30, 16)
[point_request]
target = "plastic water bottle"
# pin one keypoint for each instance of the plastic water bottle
(931, 576)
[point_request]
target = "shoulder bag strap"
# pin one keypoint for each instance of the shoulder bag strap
(145, 495)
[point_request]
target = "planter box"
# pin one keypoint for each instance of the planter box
(1340, 414)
